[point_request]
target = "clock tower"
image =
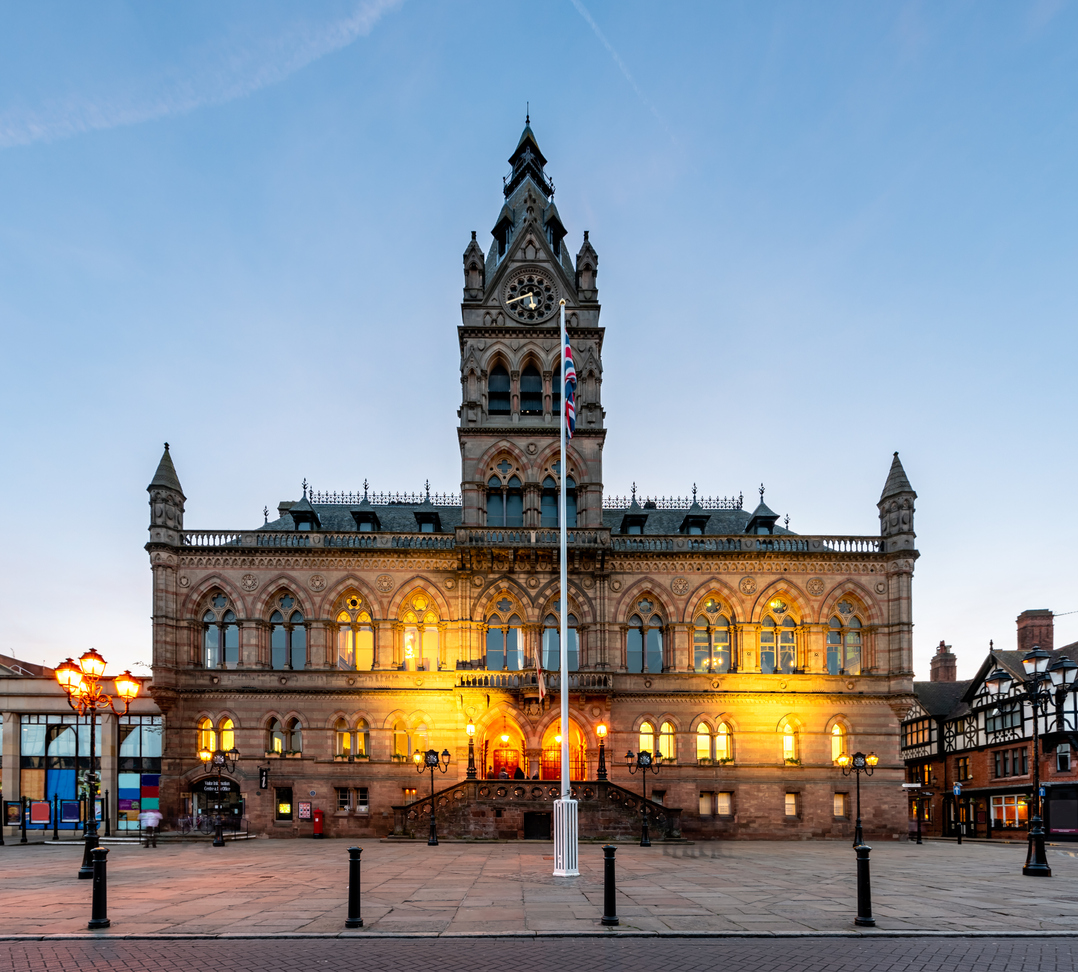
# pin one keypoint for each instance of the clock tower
(511, 361)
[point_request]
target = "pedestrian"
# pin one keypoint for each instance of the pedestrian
(150, 820)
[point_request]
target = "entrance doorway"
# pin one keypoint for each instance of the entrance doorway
(211, 796)
(578, 752)
(536, 825)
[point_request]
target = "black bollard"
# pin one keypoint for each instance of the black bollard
(108, 816)
(610, 904)
(864, 888)
(100, 906)
(22, 809)
(56, 816)
(353, 920)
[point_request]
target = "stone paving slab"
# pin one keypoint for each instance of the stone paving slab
(299, 887)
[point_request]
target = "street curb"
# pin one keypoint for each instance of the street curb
(605, 933)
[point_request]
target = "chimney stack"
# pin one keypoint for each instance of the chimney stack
(1036, 627)
(944, 665)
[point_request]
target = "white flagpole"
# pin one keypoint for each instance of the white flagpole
(565, 818)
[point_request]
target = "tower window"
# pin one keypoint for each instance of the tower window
(844, 647)
(549, 501)
(505, 502)
(498, 391)
(531, 392)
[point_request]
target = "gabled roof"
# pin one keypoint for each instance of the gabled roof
(942, 699)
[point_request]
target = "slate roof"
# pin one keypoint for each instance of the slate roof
(941, 699)
(668, 522)
(394, 518)
(897, 482)
(166, 474)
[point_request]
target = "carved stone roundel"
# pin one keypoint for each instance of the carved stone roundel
(815, 586)
(184, 580)
(679, 585)
(316, 582)
(384, 583)
(615, 585)
(880, 587)
(747, 585)
(248, 582)
(450, 583)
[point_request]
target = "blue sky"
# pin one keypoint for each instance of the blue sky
(825, 232)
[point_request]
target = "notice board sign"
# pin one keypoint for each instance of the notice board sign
(70, 811)
(40, 812)
(12, 813)
(304, 810)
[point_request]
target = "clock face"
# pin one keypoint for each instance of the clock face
(530, 296)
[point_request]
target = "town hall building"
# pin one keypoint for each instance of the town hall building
(331, 645)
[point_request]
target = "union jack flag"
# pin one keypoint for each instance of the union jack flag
(570, 389)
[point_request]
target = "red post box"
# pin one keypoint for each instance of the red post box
(319, 815)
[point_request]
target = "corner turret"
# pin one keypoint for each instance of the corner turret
(896, 509)
(166, 503)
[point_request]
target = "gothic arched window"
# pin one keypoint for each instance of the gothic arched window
(647, 737)
(549, 500)
(703, 742)
(667, 741)
(288, 638)
(275, 742)
(355, 637)
(531, 391)
(220, 635)
(505, 643)
(844, 645)
(505, 502)
(363, 738)
(789, 743)
(207, 735)
(421, 636)
(552, 644)
(400, 739)
(343, 736)
(778, 646)
(294, 736)
(724, 742)
(498, 400)
(838, 742)
(644, 640)
(711, 640)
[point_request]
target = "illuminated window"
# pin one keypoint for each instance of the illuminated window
(284, 803)
(703, 742)
(838, 742)
(552, 644)
(647, 738)
(355, 637)
(420, 739)
(667, 741)
(724, 746)
(343, 738)
(724, 804)
(778, 643)
(207, 737)
(840, 805)
(227, 734)
(644, 640)
(792, 804)
(362, 738)
(711, 644)
(844, 645)
(789, 742)
(707, 804)
(276, 737)
(421, 641)
(400, 739)
(408, 794)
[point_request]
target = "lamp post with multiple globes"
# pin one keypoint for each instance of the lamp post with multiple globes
(428, 761)
(219, 759)
(641, 763)
(858, 763)
(600, 731)
(1042, 685)
(470, 729)
(82, 683)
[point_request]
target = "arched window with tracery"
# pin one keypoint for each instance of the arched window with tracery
(294, 736)
(711, 639)
(552, 644)
(498, 391)
(647, 738)
(421, 635)
(505, 502)
(355, 636)
(220, 634)
(531, 391)
(644, 639)
(420, 739)
(703, 742)
(343, 740)
(549, 499)
(275, 741)
(844, 642)
(505, 639)
(668, 741)
(363, 738)
(778, 640)
(288, 635)
(400, 739)
(838, 741)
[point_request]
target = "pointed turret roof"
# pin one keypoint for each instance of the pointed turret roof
(527, 160)
(166, 477)
(896, 481)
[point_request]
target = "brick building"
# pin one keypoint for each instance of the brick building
(958, 732)
(354, 629)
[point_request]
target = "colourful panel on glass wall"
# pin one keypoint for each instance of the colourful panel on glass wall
(150, 791)
(126, 804)
(150, 803)
(151, 779)
(125, 793)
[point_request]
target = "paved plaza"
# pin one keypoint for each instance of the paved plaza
(298, 887)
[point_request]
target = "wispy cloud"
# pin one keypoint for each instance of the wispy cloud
(583, 11)
(216, 74)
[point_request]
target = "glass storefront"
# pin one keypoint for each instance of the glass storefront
(1010, 812)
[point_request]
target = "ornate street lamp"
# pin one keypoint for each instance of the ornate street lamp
(82, 683)
(858, 763)
(600, 731)
(428, 761)
(641, 763)
(1042, 685)
(219, 759)
(470, 729)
